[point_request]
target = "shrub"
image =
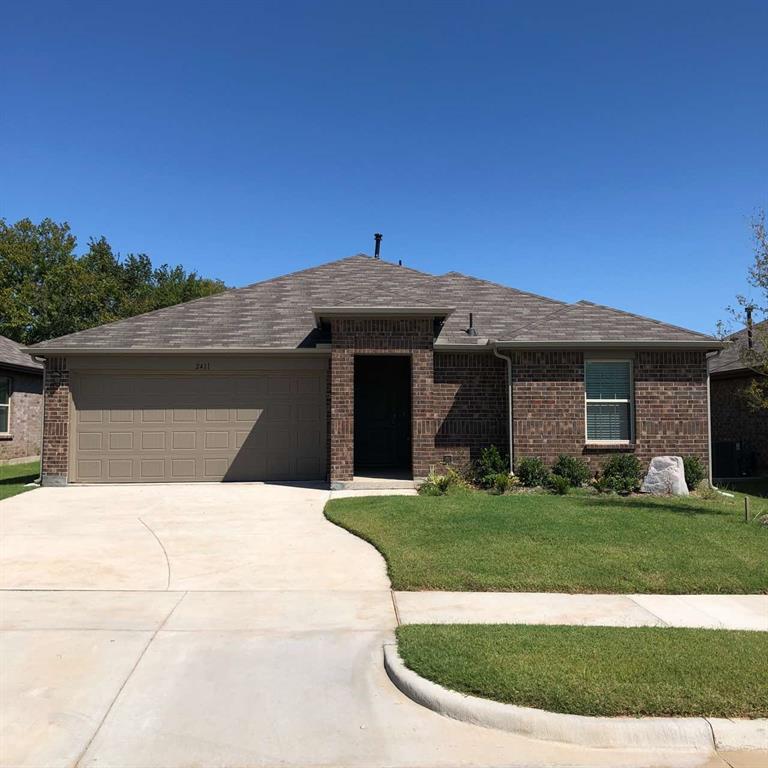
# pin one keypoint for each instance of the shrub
(694, 471)
(558, 484)
(574, 470)
(621, 473)
(602, 485)
(532, 471)
(438, 485)
(490, 464)
(706, 491)
(498, 483)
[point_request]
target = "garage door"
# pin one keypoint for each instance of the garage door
(266, 425)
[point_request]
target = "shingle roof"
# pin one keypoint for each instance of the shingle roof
(277, 313)
(729, 359)
(585, 322)
(11, 355)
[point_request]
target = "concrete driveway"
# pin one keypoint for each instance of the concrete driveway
(214, 625)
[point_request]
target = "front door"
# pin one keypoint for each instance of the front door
(382, 413)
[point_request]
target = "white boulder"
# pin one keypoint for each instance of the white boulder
(666, 477)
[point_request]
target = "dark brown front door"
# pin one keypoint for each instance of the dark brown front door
(382, 413)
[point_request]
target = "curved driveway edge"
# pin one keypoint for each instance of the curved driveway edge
(688, 733)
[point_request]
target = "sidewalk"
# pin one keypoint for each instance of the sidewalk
(705, 611)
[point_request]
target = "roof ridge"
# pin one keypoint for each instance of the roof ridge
(454, 273)
(585, 302)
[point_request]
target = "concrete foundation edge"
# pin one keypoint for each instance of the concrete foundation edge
(685, 733)
(54, 481)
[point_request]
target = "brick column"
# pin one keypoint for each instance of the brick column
(55, 451)
(342, 414)
(422, 411)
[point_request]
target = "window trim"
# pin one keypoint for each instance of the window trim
(631, 401)
(7, 405)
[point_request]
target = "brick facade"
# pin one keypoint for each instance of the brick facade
(459, 401)
(361, 336)
(55, 457)
(470, 401)
(670, 405)
(733, 421)
(26, 415)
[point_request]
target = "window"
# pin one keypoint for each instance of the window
(608, 388)
(5, 405)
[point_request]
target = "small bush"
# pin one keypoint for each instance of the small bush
(438, 485)
(602, 485)
(498, 483)
(558, 484)
(574, 470)
(706, 491)
(621, 474)
(532, 471)
(695, 471)
(490, 464)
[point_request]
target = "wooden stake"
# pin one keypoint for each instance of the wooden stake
(746, 509)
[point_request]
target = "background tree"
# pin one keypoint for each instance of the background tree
(47, 290)
(756, 356)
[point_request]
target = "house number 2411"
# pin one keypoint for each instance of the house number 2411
(202, 366)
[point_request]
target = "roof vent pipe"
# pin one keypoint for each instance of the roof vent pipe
(471, 331)
(749, 326)
(377, 249)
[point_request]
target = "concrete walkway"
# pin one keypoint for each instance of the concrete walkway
(706, 611)
(219, 625)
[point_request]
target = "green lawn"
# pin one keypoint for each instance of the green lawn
(596, 670)
(576, 543)
(13, 477)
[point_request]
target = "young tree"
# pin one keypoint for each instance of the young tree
(46, 290)
(755, 355)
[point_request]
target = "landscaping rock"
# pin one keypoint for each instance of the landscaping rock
(666, 477)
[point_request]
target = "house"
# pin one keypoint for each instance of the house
(21, 403)
(360, 367)
(739, 434)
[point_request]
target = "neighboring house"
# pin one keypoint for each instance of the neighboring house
(21, 403)
(739, 434)
(363, 367)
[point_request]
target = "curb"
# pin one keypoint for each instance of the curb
(688, 733)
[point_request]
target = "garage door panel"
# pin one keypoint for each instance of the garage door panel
(120, 416)
(121, 441)
(182, 469)
(89, 470)
(175, 427)
(217, 440)
(151, 470)
(153, 441)
(119, 470)
(184, 415)
(153, 416)
(183, 440)
(89, 441)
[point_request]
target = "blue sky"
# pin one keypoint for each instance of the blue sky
(599, 150)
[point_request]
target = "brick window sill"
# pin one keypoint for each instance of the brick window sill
(626, 446)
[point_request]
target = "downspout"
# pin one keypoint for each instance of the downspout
(509, 409)
(709, 440)
(42, 420)
(709, 430)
